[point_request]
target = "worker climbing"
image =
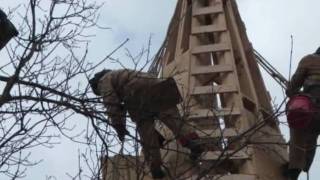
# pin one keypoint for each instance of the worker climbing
(7, 30)
(145, 98)
(304, 120)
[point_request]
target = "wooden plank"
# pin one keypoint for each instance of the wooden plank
(228, 132)
(229, 154)
(206, 113)
(208, 10)
(208, 29)
(200, 70)
(210, 48)
(202, 90)
(233, 177)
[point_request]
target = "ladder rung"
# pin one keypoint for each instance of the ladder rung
(200, 70)
(228, 132)
(206, 113)
(208, 29)
(234, 177)
(210, 48)
(229, 154)
(202, 90)
(208, 10)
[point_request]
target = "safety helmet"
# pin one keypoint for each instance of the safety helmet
(95, 81)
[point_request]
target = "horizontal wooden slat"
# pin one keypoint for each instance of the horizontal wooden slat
(207, 10)
(206, 113)
(202, 90)
(229, 132)
(211, 69)
(233, 177)
(208, 29)
(210, 48)
(215, 155)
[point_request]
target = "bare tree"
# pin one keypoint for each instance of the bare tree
(45, 85)
(45, 78)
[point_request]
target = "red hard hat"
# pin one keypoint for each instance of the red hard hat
(300, 111)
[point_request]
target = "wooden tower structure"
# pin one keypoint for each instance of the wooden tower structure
(208, 53)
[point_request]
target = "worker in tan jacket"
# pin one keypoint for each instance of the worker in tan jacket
(7, 30)
(303, 142)
(145, 98)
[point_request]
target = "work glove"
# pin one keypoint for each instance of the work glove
(288, 90)
(121, 132)
(291, 93)
(288, 93)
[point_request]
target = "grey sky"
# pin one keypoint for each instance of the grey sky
(269, 25)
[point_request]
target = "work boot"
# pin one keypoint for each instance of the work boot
(189, 141)
(196, 151)
(292, 174)
(156, 170)
(157, 173)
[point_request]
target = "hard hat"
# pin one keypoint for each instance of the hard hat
(95, 80)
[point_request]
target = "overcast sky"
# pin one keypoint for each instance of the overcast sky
(269, 25)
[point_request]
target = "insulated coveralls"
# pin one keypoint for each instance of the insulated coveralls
(145, 98)
(303, 142)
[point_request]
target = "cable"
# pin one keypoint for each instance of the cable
(291, 52)
(273, 72)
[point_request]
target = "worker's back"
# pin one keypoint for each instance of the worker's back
(306, 76)
(311, 65)
(127, 82)
(142, 90)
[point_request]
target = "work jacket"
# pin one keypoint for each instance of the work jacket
(307, 75)
(133, 91)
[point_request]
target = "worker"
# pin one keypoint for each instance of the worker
(7, 30)
(145, 98)
(303, 142)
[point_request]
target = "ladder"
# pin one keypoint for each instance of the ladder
(212, 60)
